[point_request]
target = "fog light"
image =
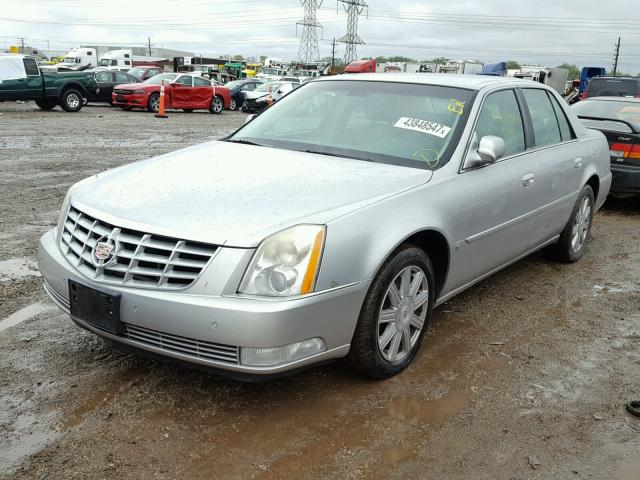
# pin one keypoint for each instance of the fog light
(273, 356)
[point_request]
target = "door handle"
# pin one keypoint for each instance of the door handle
(529, 180)
(577, 162)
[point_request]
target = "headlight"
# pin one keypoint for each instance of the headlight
(67, 198)
(286, 263)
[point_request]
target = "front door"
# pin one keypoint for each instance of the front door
(181, 92)
(499, 201)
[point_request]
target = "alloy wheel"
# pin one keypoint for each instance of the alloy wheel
(73, 101)
(581, 225)
(403, 313)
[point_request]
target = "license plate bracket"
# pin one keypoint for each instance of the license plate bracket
(100, 309)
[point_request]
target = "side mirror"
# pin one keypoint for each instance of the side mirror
(249, 118)
(489, 150)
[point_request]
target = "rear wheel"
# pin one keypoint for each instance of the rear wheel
(71, 100)
(575, 236)
(394, 315)
(233, 105)
(47, 104)
(217, 105)
(153, 104)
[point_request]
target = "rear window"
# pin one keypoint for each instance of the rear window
(30, 66)
(611, 87)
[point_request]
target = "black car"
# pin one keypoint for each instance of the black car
(106, 80)
(237, 89)
(619, 120)
(613, 87)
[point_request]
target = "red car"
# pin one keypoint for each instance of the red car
(186, 91)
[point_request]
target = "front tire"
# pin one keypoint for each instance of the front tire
(46, 104)
(233, 105)
(394, 315)
(153, 104)
(71, 100)
(574, 238)
(217, 105)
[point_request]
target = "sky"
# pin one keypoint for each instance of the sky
(542, 32)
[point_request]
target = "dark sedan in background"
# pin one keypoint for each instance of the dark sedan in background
(238, 89)
(106, 80)
(619, 119)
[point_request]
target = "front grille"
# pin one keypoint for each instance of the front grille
(141, 259)
(183, 345)
(122, 92)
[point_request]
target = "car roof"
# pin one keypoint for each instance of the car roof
(471, 82)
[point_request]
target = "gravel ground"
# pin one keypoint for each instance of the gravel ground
(523, 376)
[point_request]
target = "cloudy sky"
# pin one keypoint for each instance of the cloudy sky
(542, 32)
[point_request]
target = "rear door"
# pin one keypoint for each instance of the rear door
(560, 157)
(32, 84)
(202, 93)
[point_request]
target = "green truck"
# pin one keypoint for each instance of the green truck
(22, 79)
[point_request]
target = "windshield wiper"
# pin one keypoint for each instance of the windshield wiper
(248, 142)
(339, 155)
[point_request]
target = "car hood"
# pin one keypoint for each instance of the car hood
(252, 95)
(133, 86)
(230, 194)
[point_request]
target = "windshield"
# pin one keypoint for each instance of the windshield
(610, 110)
(234, 84)
(398, 123)
(71, 59)
(606, 87)
(103, 63)
(270, 85)
(137, 72)
(157, 80)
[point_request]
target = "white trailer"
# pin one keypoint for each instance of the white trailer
(555, 78)
(462, 67)
(117, 60)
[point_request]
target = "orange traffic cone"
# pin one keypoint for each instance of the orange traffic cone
(270, 99)
(161, 113)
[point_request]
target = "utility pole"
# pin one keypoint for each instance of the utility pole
(149, 42)
(333, 54)
(22, 40)
(616, 57)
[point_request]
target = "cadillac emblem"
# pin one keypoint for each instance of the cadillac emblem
(105, 250)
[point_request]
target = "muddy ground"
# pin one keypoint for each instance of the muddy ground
(531, 368)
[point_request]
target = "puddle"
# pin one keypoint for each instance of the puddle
(24, 314)
(419, 410)
(16, 268)
(30, 436)
(395, 455)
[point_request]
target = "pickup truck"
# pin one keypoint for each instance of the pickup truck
(22, 79)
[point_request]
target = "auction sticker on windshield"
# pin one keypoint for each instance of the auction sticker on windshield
(424, 126)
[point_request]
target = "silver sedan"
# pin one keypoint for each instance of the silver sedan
(328, 226)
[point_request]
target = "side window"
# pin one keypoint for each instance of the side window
(127, 62)
(122, 77)
(201, 82)
(114, 63)
(185, 80)
(500, 116)
(565, 128)
(30, 66)
(103, 77)
(543, 117)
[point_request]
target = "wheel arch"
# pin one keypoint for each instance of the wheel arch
(594, 182)
(72, 85)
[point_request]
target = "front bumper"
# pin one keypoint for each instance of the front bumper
(133, 100)
(195, 327)
(626, 179)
